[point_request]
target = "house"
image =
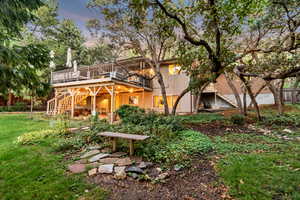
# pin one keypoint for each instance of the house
(103, 88)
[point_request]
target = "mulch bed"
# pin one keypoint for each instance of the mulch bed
(217, 128)
(194, 183)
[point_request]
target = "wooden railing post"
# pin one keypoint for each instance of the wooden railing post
(112, 104)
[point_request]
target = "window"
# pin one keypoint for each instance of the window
(158, 101)
(133, 100)
(174, 69)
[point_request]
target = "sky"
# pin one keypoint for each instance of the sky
(77, 11)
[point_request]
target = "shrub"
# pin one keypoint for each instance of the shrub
(131, 114)
(237, 119)
(283, 120)
(19, 106)
(35, 136)
(73, 143)
(180, 149)
(63, 124)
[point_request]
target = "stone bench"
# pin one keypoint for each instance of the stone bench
(130, 137)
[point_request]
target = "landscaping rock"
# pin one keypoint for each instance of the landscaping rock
(119, 169)
(134, 169)
(159, 169)
(108, 160)
(81, 161)
(298, 139)
(118, 154)
(177, 167)
(85, 128)
(123, 161)
(287, 130)
(92, 172)
(134, 175)
(77, 168)
(106, 150)
(90, 153)
(94, 164)
(162, 176)
(97, 147)
(120, 173)
(97, 157)
(144, 165)
(106, 169)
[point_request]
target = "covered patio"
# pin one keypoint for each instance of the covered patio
(91, 98)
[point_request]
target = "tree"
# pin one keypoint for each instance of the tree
(145, 32)
(19, 62)
(218, 26)
(94, 26)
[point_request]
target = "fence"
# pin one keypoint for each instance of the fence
(291, 95)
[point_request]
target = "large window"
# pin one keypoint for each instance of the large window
(158, 101)
(174, 69)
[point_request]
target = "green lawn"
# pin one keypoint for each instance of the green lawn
(259, 167)
(34, 172)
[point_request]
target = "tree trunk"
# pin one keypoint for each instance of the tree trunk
(235, 92)
(10, 99)
(186, 90)
(273, 90)
(249, 90)
(257, 93)
(245, 101)
(163, 89)
(31, 104)
(196, 99)
(281, 91)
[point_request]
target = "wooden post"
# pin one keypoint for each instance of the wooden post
(94, 105)
(112, 104)
(73, 105)
(114, 144)
(131, 148)
(144, 98)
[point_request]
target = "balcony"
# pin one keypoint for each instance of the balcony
(101, 72)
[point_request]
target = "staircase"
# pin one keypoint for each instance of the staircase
(227, 100)
(63, 103)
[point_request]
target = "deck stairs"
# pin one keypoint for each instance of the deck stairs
(227, 100)
(64, 103)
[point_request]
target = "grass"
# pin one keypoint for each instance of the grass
(259, 167)
(34, 172)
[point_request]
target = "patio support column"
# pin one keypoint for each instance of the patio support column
(94, 105)
(72, 105)
(93, 94)
(112, 104)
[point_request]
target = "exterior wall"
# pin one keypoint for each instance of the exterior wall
(174, 84)
(223, 88)
(262, 99)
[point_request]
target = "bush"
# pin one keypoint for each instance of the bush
(63, 124)
(73, 143)
(131, 114)
(35, 136)
(283, 120)
(238, 119)
(19, 106)
(179, 149)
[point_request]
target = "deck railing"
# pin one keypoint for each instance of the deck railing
(69, 75)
